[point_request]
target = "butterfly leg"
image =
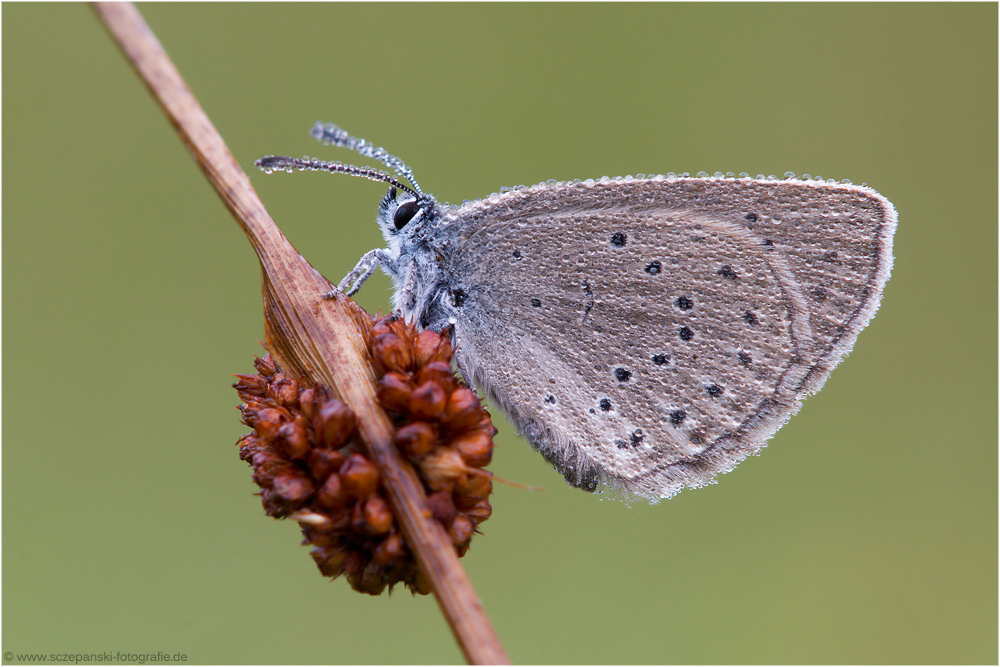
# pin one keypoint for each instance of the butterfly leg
(361, 272)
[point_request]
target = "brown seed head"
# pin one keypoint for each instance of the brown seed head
(391, 551)
(360, 478)
(324, 462)
(372, 579)
(472, 489)
(293, 439)
(292, 488)
(309, 464)
(430, 346)
(442, 507)
(442, 468)
(476, 447)
(463, 410)
(285, 393)
(428, 400)
(378, 516)
(460, 530)
(334, 424)
(308, 402)
(331, 562)
(480, 512)
(265, 366)
(269, 420)
(394, 390)
(267, 465)
(250, 385)
(391, 353)
(416, 439)
(437, 371)
(421, 582)
(333, 496)
(390, 324)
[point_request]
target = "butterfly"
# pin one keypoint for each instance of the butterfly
(643, 334)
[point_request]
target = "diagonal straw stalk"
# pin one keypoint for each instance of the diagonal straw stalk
(315, 340)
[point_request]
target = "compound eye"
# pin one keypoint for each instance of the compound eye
(404, 213)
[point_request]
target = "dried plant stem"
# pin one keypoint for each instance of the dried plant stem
(315, 340)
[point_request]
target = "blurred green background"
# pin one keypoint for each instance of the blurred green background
(867, 531)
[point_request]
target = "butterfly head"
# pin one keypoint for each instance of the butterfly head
(402, 213)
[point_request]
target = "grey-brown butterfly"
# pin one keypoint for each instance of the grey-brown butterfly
(644, 334)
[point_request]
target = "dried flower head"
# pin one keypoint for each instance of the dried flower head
(311, 467)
